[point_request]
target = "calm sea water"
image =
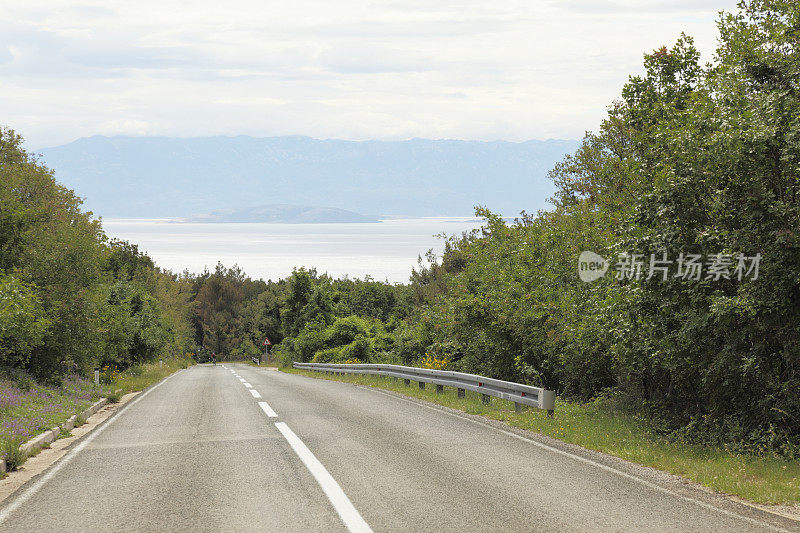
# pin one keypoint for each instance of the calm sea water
(387, 250)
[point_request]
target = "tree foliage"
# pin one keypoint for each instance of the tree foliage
(692, 159)
(71, 299)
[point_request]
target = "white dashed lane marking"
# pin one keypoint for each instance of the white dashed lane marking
(341, 503)
(267, 410)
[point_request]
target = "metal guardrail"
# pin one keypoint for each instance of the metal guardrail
(507, 390)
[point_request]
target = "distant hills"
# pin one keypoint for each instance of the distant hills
(180, 177)
(283, 214)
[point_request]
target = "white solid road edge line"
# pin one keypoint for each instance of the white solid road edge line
(347, 512)
(267, 409)
(25, 496)
(254, 393)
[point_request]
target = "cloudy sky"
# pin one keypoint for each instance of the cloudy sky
(513, 69)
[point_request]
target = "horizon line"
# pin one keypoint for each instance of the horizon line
(299, 136)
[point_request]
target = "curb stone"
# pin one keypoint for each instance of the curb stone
(89, 411)
(70, 423)
(41, 440)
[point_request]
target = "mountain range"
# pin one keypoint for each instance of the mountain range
(280, 214)
(154, 177)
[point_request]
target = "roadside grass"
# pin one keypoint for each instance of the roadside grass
(761, 479)
(139, 377)
(28, 408)
(271, 364)
(14, 457)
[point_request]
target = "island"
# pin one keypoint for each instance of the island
(281, 214)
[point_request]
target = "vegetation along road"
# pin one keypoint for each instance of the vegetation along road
(234, 447)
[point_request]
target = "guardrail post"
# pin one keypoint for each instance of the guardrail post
(439, 389)
(407, 382)
(485, 398)
(97, 376)
(548, 401)
(461, 393)
(517, 407)
(421, 385)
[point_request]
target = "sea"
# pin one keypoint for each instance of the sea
(385, 250)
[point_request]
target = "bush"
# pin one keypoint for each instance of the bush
(114, 397)
(22, 380)
(358, 349)
(283, 353)
(345, 330)
(22, 321)
(310, 340)
(329, 355)
(382, 342)
(411, 340)
(12, 454)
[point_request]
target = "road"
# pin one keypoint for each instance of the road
(239, 448)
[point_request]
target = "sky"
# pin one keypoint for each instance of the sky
(511, 70)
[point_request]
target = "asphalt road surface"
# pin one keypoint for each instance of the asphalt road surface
(238, 448)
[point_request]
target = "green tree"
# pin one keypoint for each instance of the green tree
(23, 324)
(57, 249)
(724, 356)
(217, 306)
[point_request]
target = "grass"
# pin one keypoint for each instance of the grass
(9, 450)
(140, 377)
(272, 364)
(764, 480)
(28, 408)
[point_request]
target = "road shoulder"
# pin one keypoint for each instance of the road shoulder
(779, 516)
